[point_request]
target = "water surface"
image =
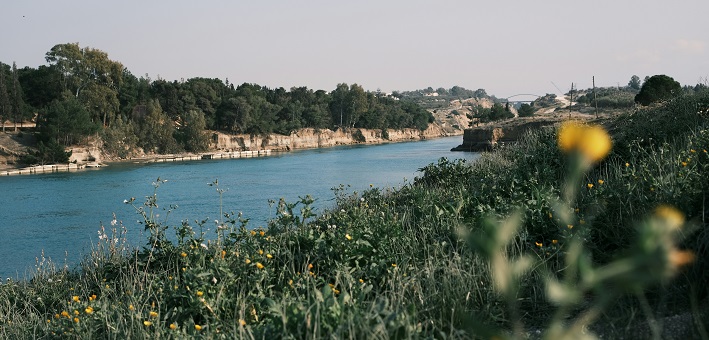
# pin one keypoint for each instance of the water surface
(60, 213)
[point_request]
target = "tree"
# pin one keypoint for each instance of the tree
(156, 130)
(658, 88)
(526, 110)
(4, 98)
(634, 83)
(16, 100)
(66, 122)
(192, 133)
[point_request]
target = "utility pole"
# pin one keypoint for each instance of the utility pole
(594, 95)
(571, 101)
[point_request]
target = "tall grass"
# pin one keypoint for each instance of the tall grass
(400, 263)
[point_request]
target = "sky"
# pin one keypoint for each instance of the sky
(506, 47)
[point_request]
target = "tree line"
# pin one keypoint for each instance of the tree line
(82, 92)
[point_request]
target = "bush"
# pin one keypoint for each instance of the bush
(658, 88)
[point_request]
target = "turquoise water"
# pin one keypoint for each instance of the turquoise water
(60, 214)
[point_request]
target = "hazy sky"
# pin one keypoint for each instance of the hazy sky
(506, 47)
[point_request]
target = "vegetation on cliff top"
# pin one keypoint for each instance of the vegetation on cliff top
(545, 235)
(82, 91)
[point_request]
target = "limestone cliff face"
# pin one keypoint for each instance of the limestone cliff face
(484, 138)
(313, 138)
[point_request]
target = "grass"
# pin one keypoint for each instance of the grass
(415, 262)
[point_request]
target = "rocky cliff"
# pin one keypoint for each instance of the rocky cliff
(314, 138)
(485, 138)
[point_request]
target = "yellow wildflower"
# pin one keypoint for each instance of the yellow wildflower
(223, 253)
(589, 185)
(581, 222)
(310, 266)
(253, 233)
(200, 293)
(183, 254)
(269, 256)
(198, 327)
(147, 323)
(173, 326)
(554, 241)
(600, 181)
(262, 233)
(393, 264)
(130, 307)
(76, 312)
(627, 164)
(65, 314)
(593, 142)
(692, 151)
(538, 244)
(89, 310)
(259, 265)
(75, 298)
(670, 215)
(348, 237)
(680, 258)
(247, 261)
(153, 314)
(569, 226)
(242, 322)
(290, 282)
(361, 281)
(684, 163)
(76, 320)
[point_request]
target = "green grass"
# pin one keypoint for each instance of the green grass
(399, 263)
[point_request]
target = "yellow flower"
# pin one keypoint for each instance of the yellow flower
(680, 258)
(600, 181)
(589, 185)
(593, 142)
(247, 261)
(253, 233)
(183, 254)
(568, 136)
(581, 222)
(198, 327)
(76, 320)
(310, 266)
(393, 264)
(153, 314)
(262, 233)
(569, 226)
(627, 164)
(361, 281)
(173, 326)
(147, 323)
(242, 322)
(76, 312)
(348, 237)
(131, 307)
(199, 293)
(670, 215)
(290, 282)
(223, 253)
(269, 256)
(684, 163)
(692, 151)
(259, 265)
(75, 298)
(65, 314)
(89, 310)
(538, 244)
(554, 241)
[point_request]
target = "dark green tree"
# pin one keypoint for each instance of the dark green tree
(192, 134)
(658, 88)
(634, 82)
(65, 122)
(156, 130)
(120, 138)
(16, 101)
(526, 110)
(4, 98)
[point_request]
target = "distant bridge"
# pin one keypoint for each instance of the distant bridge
(522, 94)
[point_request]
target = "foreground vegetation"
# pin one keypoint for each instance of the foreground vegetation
(530, 240)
